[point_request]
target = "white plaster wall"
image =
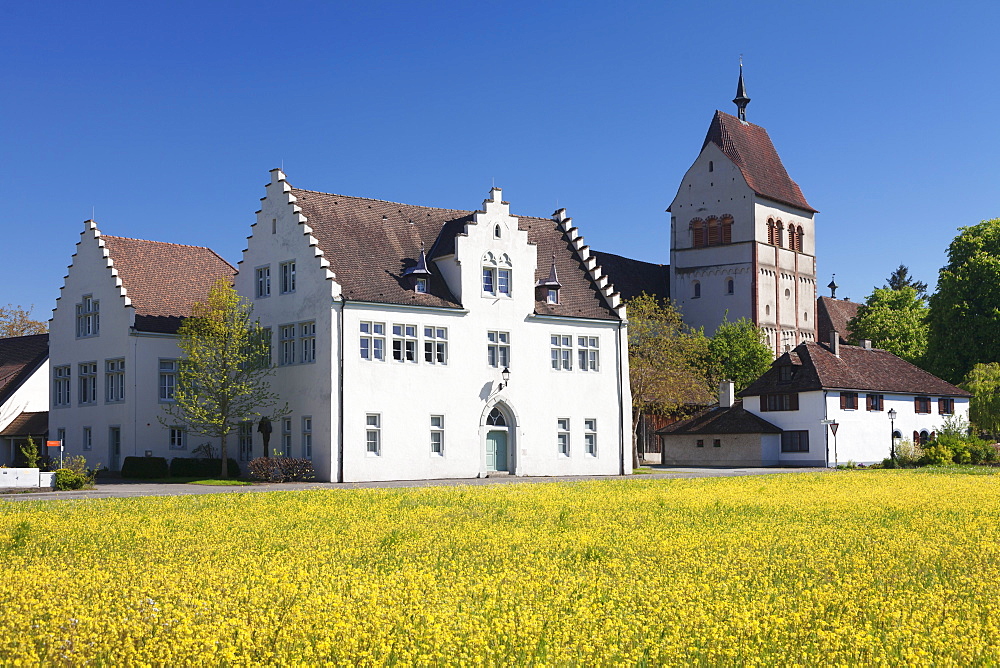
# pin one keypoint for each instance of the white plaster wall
(703, 194)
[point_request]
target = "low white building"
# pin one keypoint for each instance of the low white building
(24, 393)
(857, 387)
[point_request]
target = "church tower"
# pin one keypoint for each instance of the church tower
(742, 236)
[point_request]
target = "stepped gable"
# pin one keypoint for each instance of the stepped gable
(717, 420)
(635, 277)
(162, 280)
(750, 147)
(20, 356)
(370, 243)
(856, 369)
(832, 315)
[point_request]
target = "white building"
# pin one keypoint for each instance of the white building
(394, 326)
(114, 348)
(742, 236)
(24, 393)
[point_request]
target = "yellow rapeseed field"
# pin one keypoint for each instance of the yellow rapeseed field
(813, 568)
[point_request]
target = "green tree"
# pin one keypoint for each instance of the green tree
(965, 311)
(901, 278)
(16, 321)
(222, 376)
(30, 452)
(984, 408)
(739, 352)
(894, 320)
(667, 362)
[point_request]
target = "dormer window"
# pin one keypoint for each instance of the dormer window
(549, 287)
(552, 296)
(419, 273)
(785, 373)
(497, 275)
(420, 286)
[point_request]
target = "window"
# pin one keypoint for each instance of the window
(307, 341)
(779, 402)
(265, 349)
(60, 385)
(873, 402)
(552, 296)
(700, 443)
(88, 317)
(496, 231)
(373, 434)
(88, 438)
(373, 341)
(168, 379)
(61, 435)
(791, 237)
(727, 229)
(287, 277)
(488, 282)
(778, 229)
(498, 350)
(590, 437)
(114, 380)
(697, 233)
(420, 286)
(286, 437)
(274, 226)
(496, 418)
(946, 406)
(798, 240)
(562, 352)
(795, 441)
(435, 345)
(770, 232)
(786, 373)
(88, 383)
(503, 282)
(177, 438)
(404, 343)
(922, 404)
(246, 440)
(496, 275)
(287, 344)
(697, 290)
(562, 437)
(730, 286)
(711, 166)
(307, 436)
(263, 280)
(437, 435)
(716, 443)
(587, 350)
(848, 401)
(712, 227)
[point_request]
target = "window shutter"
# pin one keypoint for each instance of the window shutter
(916, 437)
(763, 403)
(793, 401)
(868, 402)
(843, 400)
(942, 406)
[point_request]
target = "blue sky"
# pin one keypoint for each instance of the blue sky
(164, 118)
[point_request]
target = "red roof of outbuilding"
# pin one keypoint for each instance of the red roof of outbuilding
(19, 357)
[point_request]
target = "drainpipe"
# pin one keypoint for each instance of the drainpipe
(826, 431)
(340, 392)
(621, 402)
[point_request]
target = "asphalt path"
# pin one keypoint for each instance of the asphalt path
(113, 488)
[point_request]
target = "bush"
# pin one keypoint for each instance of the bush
(199, 467)
(145, 467)
(69, 479)
(982, 452)
(908, 454)
(281, 469)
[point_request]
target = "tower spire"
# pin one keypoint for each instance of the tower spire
(741, 100)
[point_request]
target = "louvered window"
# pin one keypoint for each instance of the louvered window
(798, 240)
(770, 232)
(698, 233)
(922, 404)
(946, 406)
(779, 402)
(873, 402)
(848, 401)
(727, 230)
(791, 237)
(713, 231)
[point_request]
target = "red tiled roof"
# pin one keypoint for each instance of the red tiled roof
(28, 424)
(832, 315)
(750, 147)
(716, 420)
(19, 357)
(370, 243)
(163, 280)
(857, 368)
(631, 277)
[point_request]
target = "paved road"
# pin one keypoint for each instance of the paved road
(128, 488)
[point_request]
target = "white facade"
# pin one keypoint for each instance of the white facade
(430, 417)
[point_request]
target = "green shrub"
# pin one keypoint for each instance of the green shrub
(937, 455)
(145, 467)
(982, 452)
(69, 479)
(908, 454)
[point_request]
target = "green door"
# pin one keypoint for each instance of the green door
(496, 451)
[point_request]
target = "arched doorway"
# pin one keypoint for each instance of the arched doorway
(498, 440)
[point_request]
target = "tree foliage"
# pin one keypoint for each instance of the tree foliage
(739, 352)
(894, 320)
(901, 278)
(16, 321)
(984, 408)
(965, 311)
(667, 362)
(222, 376)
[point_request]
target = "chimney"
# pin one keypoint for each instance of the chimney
(866, 344)
(835, 343)
(727, 394)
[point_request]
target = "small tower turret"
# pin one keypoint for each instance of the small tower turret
(741, 100)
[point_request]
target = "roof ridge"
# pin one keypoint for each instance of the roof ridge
(150, 241)
(383, 201)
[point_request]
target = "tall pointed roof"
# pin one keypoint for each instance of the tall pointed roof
(750, 148)
(741, 100)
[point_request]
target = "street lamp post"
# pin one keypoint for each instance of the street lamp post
(892, 433)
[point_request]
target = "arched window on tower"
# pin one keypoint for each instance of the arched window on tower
(713, 231)
(770, 231)
(697, 233)
(711, 166)
(779, 228)
(696, 294)
(791, 237)
(798, 240)
(730, 286)
(727, 229)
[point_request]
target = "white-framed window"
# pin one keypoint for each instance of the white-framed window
(437, 435)
(178, 438)
(88, 438)
(489, 280)
(436, 345)
(307, 341)
(562, 352)
(420, 285)
(373, 434)
(588, 350)
(265, 350)
(404, 343)
(262, 276)
(286, 343)
(246, 440)
(88, 317)
(307, 436)
(168, 379)
(287, 271)
(503, 282)
(497, 275)
(590, 437)
(286, 436)
(498, 349)
(88, 384)
(114, 380)
(60, 385)
(373, 341)
(562, 436)
(552, 296)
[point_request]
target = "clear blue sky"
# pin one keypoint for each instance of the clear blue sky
(166, 117)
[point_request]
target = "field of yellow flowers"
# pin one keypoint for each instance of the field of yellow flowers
(842, 567)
